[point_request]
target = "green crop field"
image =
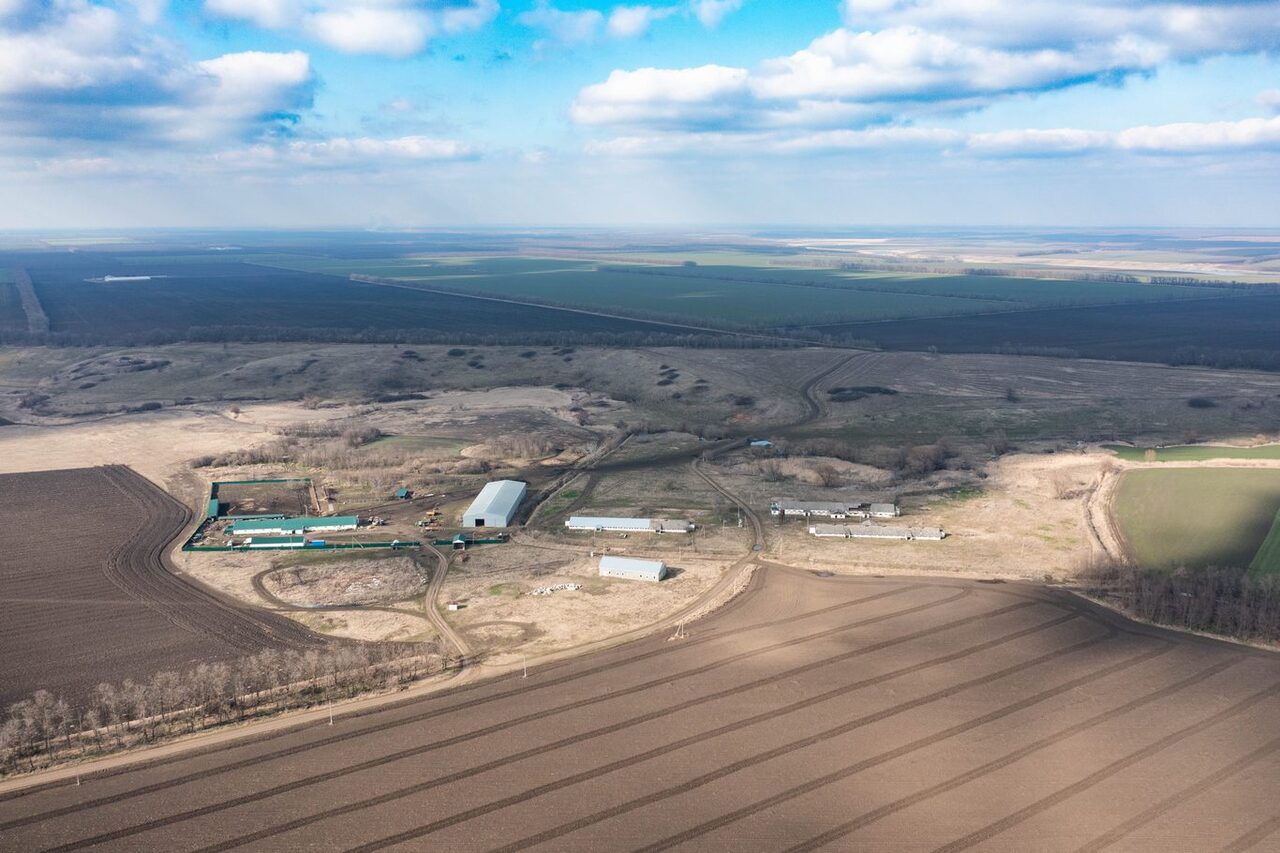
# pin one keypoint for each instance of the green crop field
(1194, 452)
(1197, 517)
(1267, 559)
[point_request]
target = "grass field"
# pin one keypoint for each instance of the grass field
(1267, 559)
(1194, 452)
(1197, 517)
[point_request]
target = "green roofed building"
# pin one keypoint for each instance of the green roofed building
(293, 526)
(215, 508)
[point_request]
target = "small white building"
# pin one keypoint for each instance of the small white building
(496, 504)
(628, 525)
(786, 507)
(883, 510)
(632, 569)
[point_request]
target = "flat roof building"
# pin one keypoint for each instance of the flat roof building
(628, 525)
(632, 569)
(867, 530)
(293, 526)
(785, 507)
(496, 504)
(883, 511)
(276, 542)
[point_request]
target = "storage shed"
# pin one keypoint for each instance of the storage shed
(268, 542)
(496, 504)
(628, 525)
(632, 569)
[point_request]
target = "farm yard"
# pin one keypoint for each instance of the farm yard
(815, 712)
(1197, 517)
(88, 598)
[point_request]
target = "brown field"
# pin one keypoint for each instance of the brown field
(837, 713)
(87, 597)
(266, 499)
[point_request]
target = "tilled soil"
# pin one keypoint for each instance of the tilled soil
(86, 597)
(813, 712)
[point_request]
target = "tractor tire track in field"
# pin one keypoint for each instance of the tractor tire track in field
(992, 830)
(712, 761)
(693, 740)
(698, 781)
(521, 688)
(612, 728)
(1253, 837)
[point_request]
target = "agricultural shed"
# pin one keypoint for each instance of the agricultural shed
(496, 504)
(215, 508)
(403, 494)
(632, 569)
(628, 525)
(276, 541)
(785, 507)
(883, 511)
(305, 524)
(867, 530)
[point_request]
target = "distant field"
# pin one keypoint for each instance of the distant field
(1267, 559)
(12, 315)
(1197, 517)
(1195, 452)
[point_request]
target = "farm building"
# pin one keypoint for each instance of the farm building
(632, 569)
(785, 507)
(403, 494)
(883, 511)
(268, 542)
(292, 526)
(629, 525)
(867, 530)
(496, 504)
(215, 508)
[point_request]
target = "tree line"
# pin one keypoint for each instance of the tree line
(1225, 601)
(44, 728)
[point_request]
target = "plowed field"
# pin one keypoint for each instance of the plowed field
(85, 595)
(835, 713)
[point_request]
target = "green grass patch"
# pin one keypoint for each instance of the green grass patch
(1267, 560)
(1197, 517)
(1193, 452)
(505, 590)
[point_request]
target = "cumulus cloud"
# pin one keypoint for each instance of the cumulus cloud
(1178, 139)
(634, 21)
(361, 153)
(898, 60)
(662, 97)
(711, 12)
(385, 27)
(561, 26)
(73, 72)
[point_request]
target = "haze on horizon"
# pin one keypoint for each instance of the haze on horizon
(368, 113)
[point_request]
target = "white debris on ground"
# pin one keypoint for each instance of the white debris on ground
(548, 590)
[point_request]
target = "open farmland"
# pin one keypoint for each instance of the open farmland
(1194, 452)
(87, 596)
(834, 713)
(1267, 559)
(1197, 517)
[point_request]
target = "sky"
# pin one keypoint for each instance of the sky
(682, 114)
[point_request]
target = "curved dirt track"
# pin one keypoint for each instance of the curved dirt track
(837, 713)
(88, 597)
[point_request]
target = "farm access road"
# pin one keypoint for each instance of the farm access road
(877, 713)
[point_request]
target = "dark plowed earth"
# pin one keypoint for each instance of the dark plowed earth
(86, 597)
(813, 713)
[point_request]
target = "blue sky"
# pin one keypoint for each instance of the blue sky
(678, 113)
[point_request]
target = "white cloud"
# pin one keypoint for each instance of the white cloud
(563, 27)
(362, 153)
(661, 96)
(1039, 142)
(385, 27)
(1193, 137)
(1270, 99)
(635, 21)
(711, 12)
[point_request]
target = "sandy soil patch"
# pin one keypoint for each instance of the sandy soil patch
(348, 582)
(503, 621)
(368, 625)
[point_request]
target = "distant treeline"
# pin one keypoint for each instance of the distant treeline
(302, 334)
(45, 728)
(1228, 602)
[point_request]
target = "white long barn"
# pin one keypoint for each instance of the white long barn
(632, 569)
(628, 525)
(875, 531)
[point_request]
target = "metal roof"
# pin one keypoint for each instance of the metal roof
(249, 525)
(631, 564)
(498, 498)
(598, 522)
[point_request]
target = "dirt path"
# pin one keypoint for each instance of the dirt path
(431, 609)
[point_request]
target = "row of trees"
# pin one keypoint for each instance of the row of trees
(46, 728)
(1229, 602)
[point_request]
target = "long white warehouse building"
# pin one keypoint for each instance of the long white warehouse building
(496, 504)
(629, 525)
(632, 569)
(867, 530)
